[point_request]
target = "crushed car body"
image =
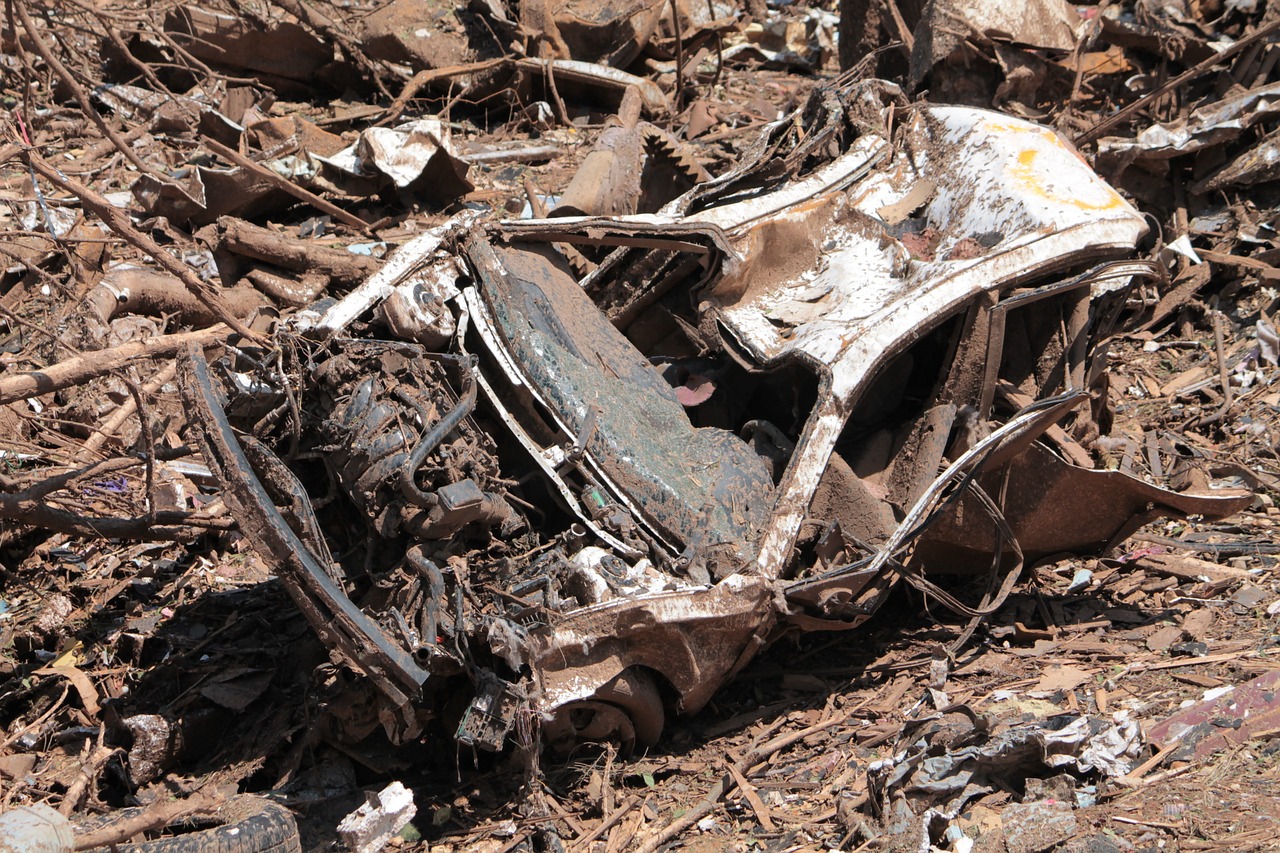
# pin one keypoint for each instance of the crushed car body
(590, 466)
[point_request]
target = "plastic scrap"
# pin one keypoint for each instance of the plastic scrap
(35, 829)
(370, 827)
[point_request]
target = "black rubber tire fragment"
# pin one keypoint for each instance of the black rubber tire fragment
(245, 824)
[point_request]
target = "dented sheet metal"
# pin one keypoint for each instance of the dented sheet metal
(590, 517)
(955, 755)
(1214, 124)
(855, 271)
(861, 296)
(1106, 507)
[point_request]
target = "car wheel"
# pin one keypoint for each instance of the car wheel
(627, 712)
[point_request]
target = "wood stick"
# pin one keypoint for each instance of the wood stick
(907, 37)
(753, 799)
(118, 221)
(73, 371)
(727, 781)
(604, 826)
(1262, 268)
(262, 244)
(123, 413)
(156, 816)
(165, 526)
(427, 76)
(1134, 777)
(91, 765)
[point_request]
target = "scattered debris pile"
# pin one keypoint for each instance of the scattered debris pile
(572, 368)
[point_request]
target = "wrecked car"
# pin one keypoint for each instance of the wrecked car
(548, 480)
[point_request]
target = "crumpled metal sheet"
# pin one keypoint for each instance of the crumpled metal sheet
(167, 113)
(1054, 506)
(199, 195)
(867, 296)
(849, 292)
(960, 157)
(1214, 124)
(611, 32)
(417, 155)
(418, 34)
(955, 756)
(1261, 163)
(696, 638)
(286, 54)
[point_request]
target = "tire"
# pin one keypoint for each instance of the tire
(635, 691)
(245, 824)
(626, 711)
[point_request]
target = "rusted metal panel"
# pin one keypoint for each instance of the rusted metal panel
(1228, 717)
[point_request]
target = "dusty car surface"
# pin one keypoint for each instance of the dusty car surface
(555, 478)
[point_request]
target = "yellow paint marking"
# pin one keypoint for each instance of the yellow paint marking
(1034, 179)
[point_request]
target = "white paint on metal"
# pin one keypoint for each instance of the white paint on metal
(410, 260)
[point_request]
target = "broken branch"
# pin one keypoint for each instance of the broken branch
(73, 371)
(78, 91)
(427, 76)
(263, 244)
(118, 221)
(155, 816)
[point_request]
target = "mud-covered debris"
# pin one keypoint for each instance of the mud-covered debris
(610, 33)
(168, 113)
(786, 344)
(598, 84)
(805, 39)
(282, 51)
(198, 194)
(1034, 827)
(415, 158)
(1210, 125)
(1258, 164)
(947, 31)
(430, 35)
(634, 167)
(291, 270)
(132, 290)
(711, 531)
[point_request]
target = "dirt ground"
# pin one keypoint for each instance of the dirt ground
(161, 657)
